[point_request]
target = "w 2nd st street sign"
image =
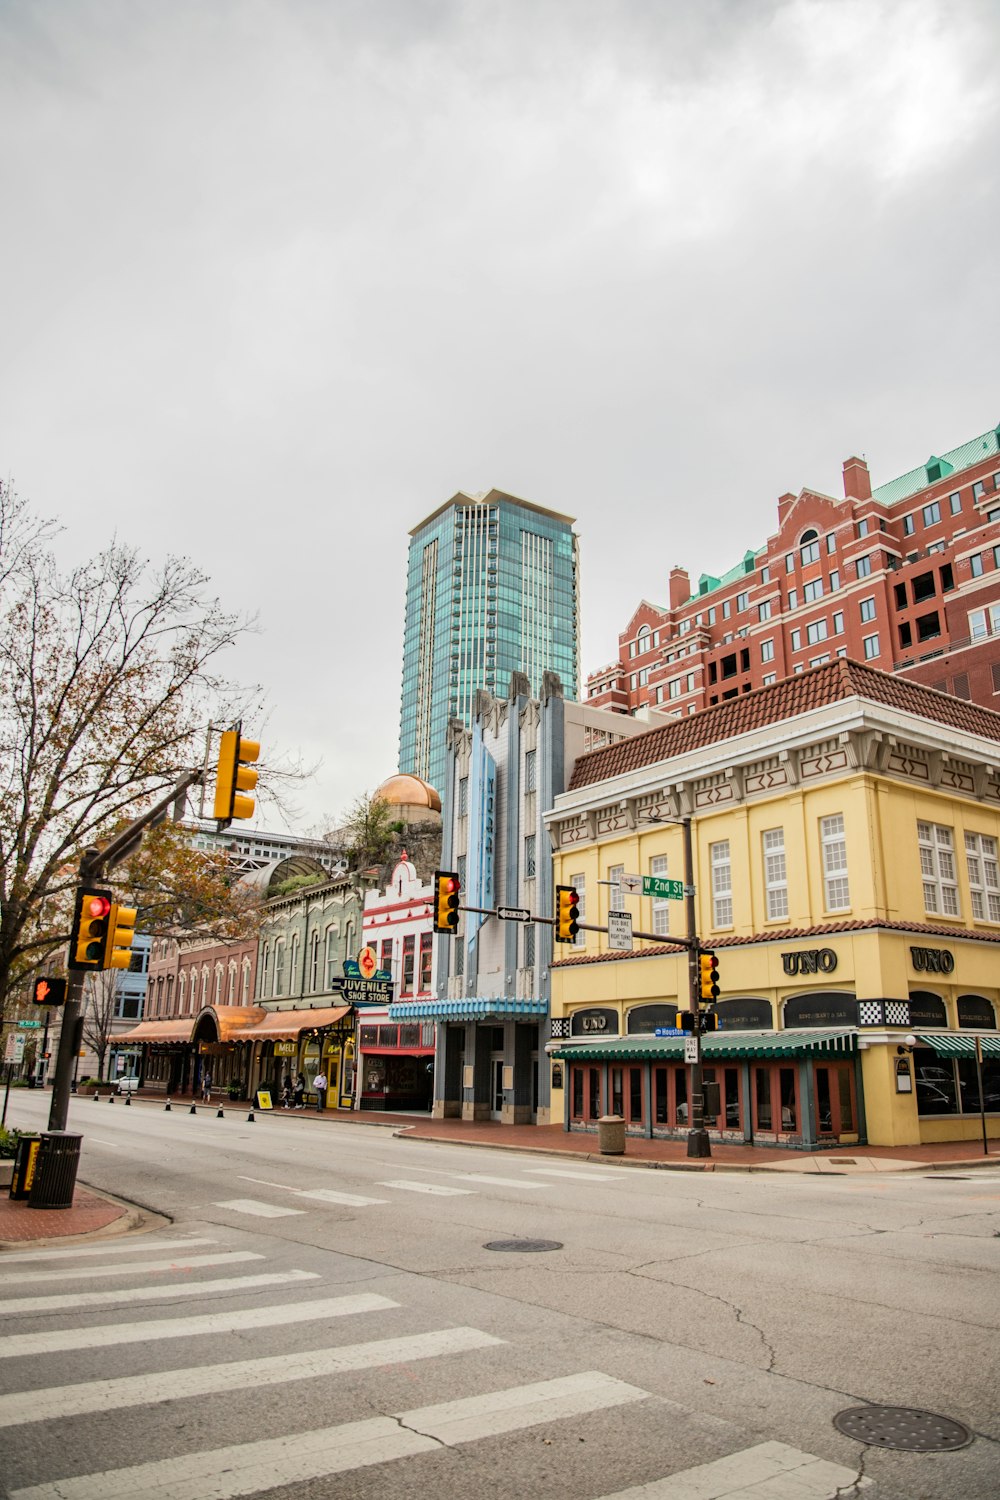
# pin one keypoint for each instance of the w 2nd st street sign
(666, 890)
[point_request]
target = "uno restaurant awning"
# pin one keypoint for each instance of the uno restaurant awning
(157, 1031)
(288, 1025)
(474, 1008)
(960, 1044)
(716, 1044)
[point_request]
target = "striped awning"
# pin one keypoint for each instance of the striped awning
(960, 1043)
(472, 1009)
(718, 1044)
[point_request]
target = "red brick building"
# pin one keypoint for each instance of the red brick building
(905, 577)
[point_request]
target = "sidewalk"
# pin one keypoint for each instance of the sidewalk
(91, 1214)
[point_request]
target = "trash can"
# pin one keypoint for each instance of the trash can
(611, 1135)
(55, 1170)
(25, 1157)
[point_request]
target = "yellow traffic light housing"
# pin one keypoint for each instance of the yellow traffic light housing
(567, 913)
(88, 942)
(121, 936)
(446, 892)
(708, 976)
(234, 777)
(684, 1020)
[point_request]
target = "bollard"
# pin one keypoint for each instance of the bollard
(220, 1113)
(128, 1099)
(96, 1094)
(193, 1110)
(167, 1106)
(250, 1119)
(111, 1098)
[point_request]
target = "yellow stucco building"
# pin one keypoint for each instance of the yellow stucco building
(844, 827)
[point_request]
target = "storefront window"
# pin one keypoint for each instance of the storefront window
(762, 1090)
(789, 1113)
(968, 1085)
(595, 1093)
(936, 1092)
(578, 1093)
(635, 1095)
(660, 1094)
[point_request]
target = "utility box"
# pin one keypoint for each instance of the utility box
(25, 1158)
(711, 1103)
(55, 1170)
(611, 1135)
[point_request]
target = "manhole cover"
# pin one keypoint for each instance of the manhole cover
(525, 1246)
(902, 1427)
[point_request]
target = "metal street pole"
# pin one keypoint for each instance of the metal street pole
(698, 1143)
(72, 1019)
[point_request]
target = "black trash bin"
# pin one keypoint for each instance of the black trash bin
(25, 1158)
(55, 1170)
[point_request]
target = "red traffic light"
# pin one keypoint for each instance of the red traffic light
(97, 906)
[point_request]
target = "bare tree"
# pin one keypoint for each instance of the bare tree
(99, 1013)
(108, 677)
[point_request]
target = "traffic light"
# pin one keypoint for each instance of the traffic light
(90, 929)
(710, 1021)
(121, 936)
(708, 976)
(49, 990)
(446, 888)
(233, 776)
(567, 912)
(684, 1020)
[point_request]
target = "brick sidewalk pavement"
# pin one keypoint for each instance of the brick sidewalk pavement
(89, 1213)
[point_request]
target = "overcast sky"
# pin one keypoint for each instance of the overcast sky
(277, 279)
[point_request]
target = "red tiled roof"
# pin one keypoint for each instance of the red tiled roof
(834, 681)
(786, 934)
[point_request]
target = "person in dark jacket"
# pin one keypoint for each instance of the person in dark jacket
(299, 1091)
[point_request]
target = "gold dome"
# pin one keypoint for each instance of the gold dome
(406, 790)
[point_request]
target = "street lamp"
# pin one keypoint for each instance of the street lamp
(698, 1143)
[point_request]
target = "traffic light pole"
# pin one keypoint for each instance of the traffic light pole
(93, 865)
(698, 1143)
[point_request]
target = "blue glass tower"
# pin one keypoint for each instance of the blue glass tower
(492, 588)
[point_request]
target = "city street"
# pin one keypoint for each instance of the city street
(318, 1313)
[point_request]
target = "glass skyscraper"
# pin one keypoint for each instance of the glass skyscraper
(492, 588)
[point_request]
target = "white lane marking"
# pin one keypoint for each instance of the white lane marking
(595, 1175)
(514, 1182)
(57, 1339)
(258, 1209)
(248, 1468)
(98, 1141)
(149, 1293)
(758, 1473)
(263, 1182)
(428, 1187)
(131, 1268)
(328, 1195)
(132, 1247)
(58, 1402)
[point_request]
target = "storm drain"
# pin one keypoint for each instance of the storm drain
(902, 1427)
(527, 1247)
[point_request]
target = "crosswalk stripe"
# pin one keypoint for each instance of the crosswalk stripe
(596, 1174)
(131, 1268)
(149, 1293)
(328, 1195)
(258, 1209)
(60, 1402)
(272, 1463)
(124, 1247)
(758, 1473)
(428, 1187)
(56, 1340)
(513, 1182)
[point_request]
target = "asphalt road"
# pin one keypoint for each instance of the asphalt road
(320, 1317)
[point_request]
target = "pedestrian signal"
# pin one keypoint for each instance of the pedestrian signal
(446, 890)
(708, 976)
(684, 1020)
(234, 777)
(90, 929)
(49, 990)
(567, 913)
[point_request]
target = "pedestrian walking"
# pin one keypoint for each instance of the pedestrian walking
(206, 1084)
(286, 1091)
(319, 1084)
(299, 1091)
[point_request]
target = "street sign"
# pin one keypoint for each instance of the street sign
(28, 1025)
(15, 1049)
(667, 1031)
(667, 890)
(620, 930)
(691, 1049)
(513, 914)
(630, 883)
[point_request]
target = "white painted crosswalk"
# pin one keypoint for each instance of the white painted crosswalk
(434, 1189)
(490, 1405)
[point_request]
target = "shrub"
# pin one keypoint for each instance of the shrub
(8, 1142)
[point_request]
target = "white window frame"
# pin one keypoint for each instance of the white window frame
(775, 874)
(816, 631)
(661, 905)
(720, 859)
(833, 845)
(938, 872)
(984, 876)
(870, 646)
(579, 884)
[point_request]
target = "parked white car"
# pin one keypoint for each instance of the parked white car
(127, 1085)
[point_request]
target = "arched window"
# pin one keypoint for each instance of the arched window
(265, 971)
(331, 955)
(181, 987)
(232, 981)
(809, 547)
(314, 962)
(293, 965)
(279, 967)
(642, 637)
(246, 982)
(218, 984)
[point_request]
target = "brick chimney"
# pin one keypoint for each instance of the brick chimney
(680, 587)
(857, 480)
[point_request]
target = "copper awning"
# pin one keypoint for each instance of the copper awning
(232, 1021)
(158, 1031)
(283, 1025)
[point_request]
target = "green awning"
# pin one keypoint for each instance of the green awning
(960, 1044)
(717, 1044)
